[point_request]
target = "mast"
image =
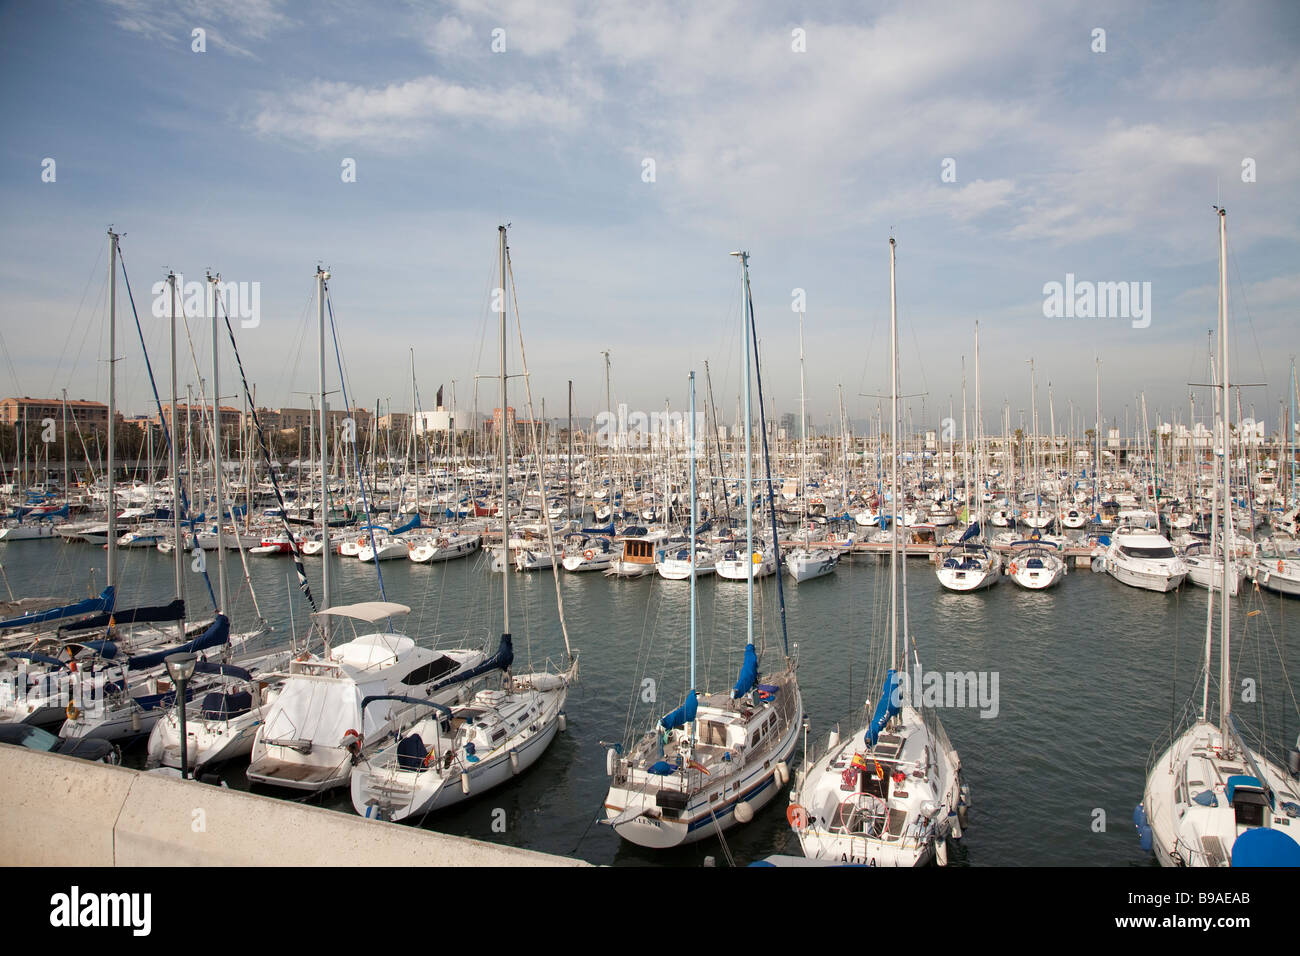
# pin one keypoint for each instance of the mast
(505, 451)
(694, 520)
(179, 550)
(415, 445)
(321, 277)
(1225, 692)
(893, 454)
(1214, 533)
(216, 446)
(569, 460)
(749, 480)
(803, 429)
(111, 572)
(66, 494)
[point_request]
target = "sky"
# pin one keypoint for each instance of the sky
(632, 146)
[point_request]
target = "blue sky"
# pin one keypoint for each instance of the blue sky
(1067, 160)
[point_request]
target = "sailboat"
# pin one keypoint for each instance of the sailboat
(719, 758)
(970, 565)
(891, 792)
(1210, 800)
(806, 562)
(317, 727)
(452, 753)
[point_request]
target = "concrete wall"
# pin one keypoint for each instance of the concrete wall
(60, 811)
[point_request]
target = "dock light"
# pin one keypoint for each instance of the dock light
(181, 669)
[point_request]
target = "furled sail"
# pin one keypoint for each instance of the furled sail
(682, 715)
(748, 673)
(886, 708)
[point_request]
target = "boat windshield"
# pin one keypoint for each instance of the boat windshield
(1157, 552)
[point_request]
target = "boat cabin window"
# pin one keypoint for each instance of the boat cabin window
(712, 734)
(1249, 806)
(431, 671)
(1133, 552)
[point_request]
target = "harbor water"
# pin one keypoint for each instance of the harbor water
(1072, 686)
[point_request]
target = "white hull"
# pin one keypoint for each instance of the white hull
(660, 812)
(382, 788)
(1188, 832)
(878, 822)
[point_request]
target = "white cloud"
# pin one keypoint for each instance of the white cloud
(327, 112)
(173, 22)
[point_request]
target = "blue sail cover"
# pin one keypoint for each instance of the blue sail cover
(748, 674)
(971, 532)
(413, 523)
(682, 715)
(223, 670)
(217, 634)
(105, 649)
(89, 606)
(175, 611)
(885, 709)
(1264, 846)
(501, 660)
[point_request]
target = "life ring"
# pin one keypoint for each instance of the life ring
(71, 711)
(589, 554)
(796, 816)
(757, 557)
(1013, 567)
(355, 745)
(1280, 566)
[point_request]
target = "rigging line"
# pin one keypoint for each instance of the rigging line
(537, 455)
(762, 422)
(361, 480)
(85, 290)
(275, 484)
(184, 502)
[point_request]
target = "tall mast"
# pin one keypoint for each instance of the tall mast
(174, 463)
(749, 479)
(569, 460)
(66, 496)
(893, 455)
(979, 431)
(321, 277)
(694, 519)
(415, 445)
(505, 451)
(803, 427)
(1214, 533)
(216, 445)
(111, 573)
(1225, 692)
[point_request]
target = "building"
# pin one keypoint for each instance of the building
(85, 415)
(230, 417)
(399, 422)
(496, 420)
(437, 422)
(306, 419)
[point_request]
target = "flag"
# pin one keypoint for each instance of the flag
(439, 402)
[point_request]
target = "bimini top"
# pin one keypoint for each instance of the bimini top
(372, 612)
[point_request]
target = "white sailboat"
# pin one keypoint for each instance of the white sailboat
(458, 752)
(891, 792)
(718, 758)
(805, 561)
(1210, 799)
(316, 728)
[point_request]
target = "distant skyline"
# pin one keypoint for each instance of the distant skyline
(632, 147)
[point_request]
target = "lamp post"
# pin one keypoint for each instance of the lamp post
(181, 669)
